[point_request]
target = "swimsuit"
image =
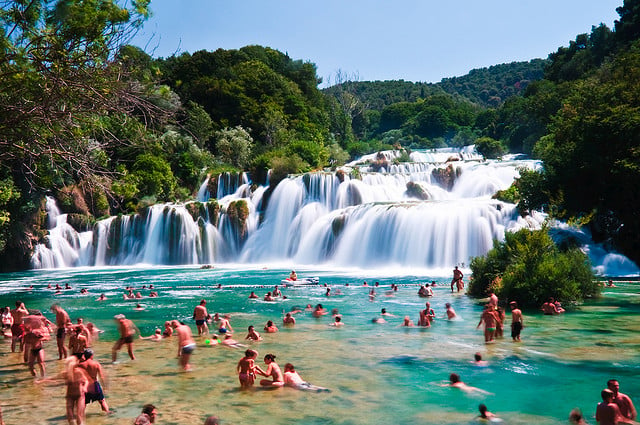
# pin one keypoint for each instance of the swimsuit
(515, 329)
(60, 333)
(127, 339)
(199, 322)
(95, 395)
(246, 377)
(491, 329)
(188, 349)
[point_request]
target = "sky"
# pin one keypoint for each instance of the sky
(368, 40)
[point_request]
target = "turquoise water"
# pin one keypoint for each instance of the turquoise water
(378, 373)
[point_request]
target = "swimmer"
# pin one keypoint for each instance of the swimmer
(608, 412)
(454, 381)
(252, 295)
(102, 297)
(293, 380)
(157, 336)
(253, 335)
(230, 342)
(407, 322)
(225, 324)
(268, 297)
(485, 414)
(627, 409)
(383, 312)
(273, 371)
(451, 314)
(288, 320)
(477, 360)
(318, 311)
(337, 322)
(549, 308)
(270, 327)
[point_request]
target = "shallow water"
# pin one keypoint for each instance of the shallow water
(378, 373)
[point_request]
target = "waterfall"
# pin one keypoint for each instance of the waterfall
(432, 212)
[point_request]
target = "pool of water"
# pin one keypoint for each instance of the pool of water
(377, 373)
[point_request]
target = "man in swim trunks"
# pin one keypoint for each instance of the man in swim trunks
(186, 344)
(62, 323)
(627, 409)
(33, 339)
(94, 371)
(127, 330)
(200, 315)
(608, 412)
(224, 324)
(457, 279)
(17, 329)
(516, 321)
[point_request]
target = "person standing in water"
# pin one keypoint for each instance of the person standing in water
(200, 315)
(186, 344)
(62, 322)
(94, 371)
(627, 409)
(127, 330)
(516, 321)
(457, 278)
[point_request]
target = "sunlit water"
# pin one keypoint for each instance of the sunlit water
(377, 373)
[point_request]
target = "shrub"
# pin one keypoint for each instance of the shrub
(529, 268)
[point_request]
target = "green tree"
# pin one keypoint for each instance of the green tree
(233, 146)
(529, 268)
(490, 148)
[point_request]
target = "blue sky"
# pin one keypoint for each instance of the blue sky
(414, 40)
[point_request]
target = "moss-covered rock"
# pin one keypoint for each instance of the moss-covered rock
(238, 212)
(81, 222)
(340, 175)
(213, 208)
(446, 177)
(415, 190)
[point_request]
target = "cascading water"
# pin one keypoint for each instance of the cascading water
(433, 212)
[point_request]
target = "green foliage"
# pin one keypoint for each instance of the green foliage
(490, 148)
(233, 146)
(314, 154)
(153, 176)
(8, 194)
(529, 268)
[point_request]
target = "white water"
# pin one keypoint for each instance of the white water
(370, 222)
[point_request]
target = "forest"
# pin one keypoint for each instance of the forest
(108, 129)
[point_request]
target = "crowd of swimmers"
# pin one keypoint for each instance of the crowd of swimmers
(84, 378)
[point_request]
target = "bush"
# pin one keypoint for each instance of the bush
(490, 148)
(529, 268)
